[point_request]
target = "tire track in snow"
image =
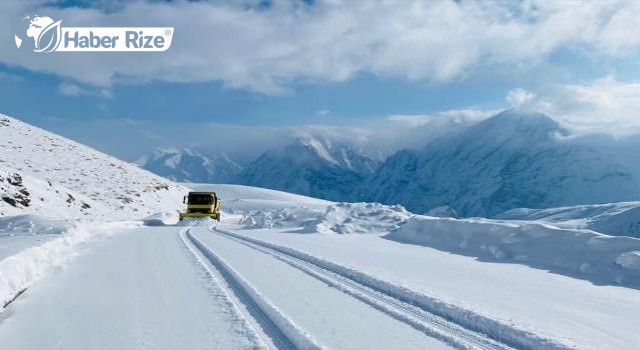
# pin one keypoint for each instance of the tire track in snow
(460, 328)
(281, 331)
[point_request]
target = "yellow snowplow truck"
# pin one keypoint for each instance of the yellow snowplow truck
(202, 205)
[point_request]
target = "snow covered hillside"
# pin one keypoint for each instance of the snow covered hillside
(618, 219)
(190, 165)
(511, 160)
(42, 173)
(242, 199)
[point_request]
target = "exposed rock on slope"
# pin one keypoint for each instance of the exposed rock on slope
(59, 177)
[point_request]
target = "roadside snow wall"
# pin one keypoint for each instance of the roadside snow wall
(584, 254)
(341, 218)
(21, 270)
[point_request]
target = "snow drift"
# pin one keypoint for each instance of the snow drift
(582, 254)
(618, 219)
(342, 218)
(33, 225)
(19, 271)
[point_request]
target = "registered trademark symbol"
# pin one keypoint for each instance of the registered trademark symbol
(167, 32)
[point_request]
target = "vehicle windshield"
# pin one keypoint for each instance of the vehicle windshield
(200, 199)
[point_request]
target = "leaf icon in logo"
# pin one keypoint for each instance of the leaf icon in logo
(49, 38)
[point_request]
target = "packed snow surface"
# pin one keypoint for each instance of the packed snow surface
(137, 289)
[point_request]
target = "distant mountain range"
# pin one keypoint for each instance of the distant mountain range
(189, 165)
(512, 160)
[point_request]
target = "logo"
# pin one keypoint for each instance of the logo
(49, 36)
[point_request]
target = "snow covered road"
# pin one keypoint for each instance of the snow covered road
(200, 286)
(309, 301)
(136, 290)
(146, 289)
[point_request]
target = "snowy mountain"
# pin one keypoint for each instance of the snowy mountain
(511, 160)
(188, 165)
(311, 166)
(43, 173)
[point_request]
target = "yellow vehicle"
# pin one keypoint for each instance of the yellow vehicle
(202, 205)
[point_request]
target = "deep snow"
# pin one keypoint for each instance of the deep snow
(618, 219)
(581, 254)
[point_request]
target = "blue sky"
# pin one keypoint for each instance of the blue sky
(292, 63)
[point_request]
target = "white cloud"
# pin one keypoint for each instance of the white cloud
(520, 97)
(411, 120)
(604, 105)
(74, 90)
(323, 112)
(269, 49)
(69, 89)
(455, 116)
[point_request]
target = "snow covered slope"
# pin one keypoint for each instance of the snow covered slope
(190, 165)
(511, 160)
(43, 173)
(25, 193)
(311, 166)
(618, 219)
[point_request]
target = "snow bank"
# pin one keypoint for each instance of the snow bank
(19, 271)
(161, 219)
(32, 225)
(281, 218)
(342, 218)
(373, 218)
(629, 260)
(618, 219)
(583, 254)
